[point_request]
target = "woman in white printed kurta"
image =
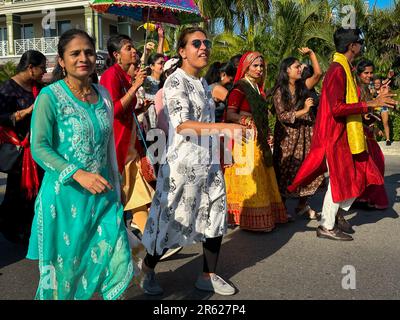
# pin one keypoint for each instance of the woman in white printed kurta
(189, 205)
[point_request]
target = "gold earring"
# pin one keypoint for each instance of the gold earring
(119, 60)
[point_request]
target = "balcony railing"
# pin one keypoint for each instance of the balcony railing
(44, 45)
(3, 48)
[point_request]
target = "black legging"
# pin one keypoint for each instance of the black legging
(16, 212)
(211, 248)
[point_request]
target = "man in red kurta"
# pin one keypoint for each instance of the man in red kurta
(349, 173)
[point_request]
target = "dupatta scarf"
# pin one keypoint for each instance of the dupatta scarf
(257, 101)
(354, 126)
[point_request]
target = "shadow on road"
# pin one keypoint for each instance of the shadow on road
(372, 216)
(243, 249)
(240, 250)
(10, 252)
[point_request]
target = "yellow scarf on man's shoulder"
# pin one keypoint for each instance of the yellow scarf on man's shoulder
(354, 126)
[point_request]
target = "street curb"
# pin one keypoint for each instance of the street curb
(392, 150)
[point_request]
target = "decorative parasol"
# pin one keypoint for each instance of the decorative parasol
(167, 11)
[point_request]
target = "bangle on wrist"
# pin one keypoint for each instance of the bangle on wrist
(130, 94)
(244, 121)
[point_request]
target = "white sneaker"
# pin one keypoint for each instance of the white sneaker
(170, 252)
(215, 284)
(149, 283)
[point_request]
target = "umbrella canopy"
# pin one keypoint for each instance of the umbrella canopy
(167, 11)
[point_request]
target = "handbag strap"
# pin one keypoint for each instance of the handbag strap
(137, 124)
(140, 131)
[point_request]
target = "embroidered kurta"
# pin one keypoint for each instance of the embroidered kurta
(79, 238)
(349, 174)
(190, 202)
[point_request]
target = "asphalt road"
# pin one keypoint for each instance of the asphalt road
(288, 263)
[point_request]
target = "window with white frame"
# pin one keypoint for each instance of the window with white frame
(61, 27)
(27, 31)
(3, 33)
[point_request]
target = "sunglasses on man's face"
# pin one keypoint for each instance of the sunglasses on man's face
(197, 43)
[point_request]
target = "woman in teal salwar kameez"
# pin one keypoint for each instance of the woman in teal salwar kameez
(78, 233)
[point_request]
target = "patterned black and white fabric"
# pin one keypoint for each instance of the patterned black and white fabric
(190, 200)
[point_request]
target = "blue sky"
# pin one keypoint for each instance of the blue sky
(382, 3)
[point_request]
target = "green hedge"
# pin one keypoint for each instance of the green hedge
(394, 123)
(7, 70)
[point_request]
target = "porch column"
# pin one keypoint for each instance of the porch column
(98, 30)
(13, 31)
(89, 20)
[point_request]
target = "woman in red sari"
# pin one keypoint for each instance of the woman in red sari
(253, 197)
(137, 194)
(374, 196)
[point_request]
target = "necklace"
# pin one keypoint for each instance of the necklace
(83, 94)
(254, 86)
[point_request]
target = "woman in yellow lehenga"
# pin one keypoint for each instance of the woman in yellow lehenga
(253, 197)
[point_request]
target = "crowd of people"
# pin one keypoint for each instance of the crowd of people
(87, 193)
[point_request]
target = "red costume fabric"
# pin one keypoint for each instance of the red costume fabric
(118, 82)
(375, 195)
(349, 174)
(237, 101)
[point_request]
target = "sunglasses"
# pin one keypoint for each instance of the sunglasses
(360, 41)
(197, 43)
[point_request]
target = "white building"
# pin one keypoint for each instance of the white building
(37, 25)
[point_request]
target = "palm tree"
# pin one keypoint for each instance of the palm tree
(383, 38)
(234, 13)
(290, 24)
(7, 71)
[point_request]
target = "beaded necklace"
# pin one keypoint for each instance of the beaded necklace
(83, 94)
(254, 86)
